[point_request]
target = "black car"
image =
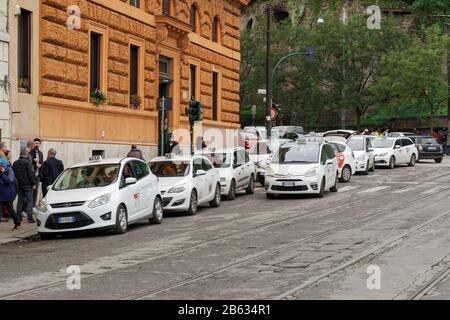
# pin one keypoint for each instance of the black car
(428, 148)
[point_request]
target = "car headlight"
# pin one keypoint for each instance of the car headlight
(383, 154)
(178, 189)
(42, 206)
(361, 158)
(100, 201)
(311, 172)
(420, 148)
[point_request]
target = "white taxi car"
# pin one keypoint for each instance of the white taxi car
(236, 170)
(302, 167)
(364, 153)
(346, 160)
(187, 182)
(100, 194)
(392, 151)
(261, 152)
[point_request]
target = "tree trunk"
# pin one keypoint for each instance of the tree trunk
(358, 121)
(431, 120)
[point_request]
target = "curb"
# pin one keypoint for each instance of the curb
(18, 237)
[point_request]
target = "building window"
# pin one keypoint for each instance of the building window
(215, 37)
(95, 61)
(24, 46)
(166, 7)
(135, 3)
(134, 70)
(194, 20)
(193, 81)
(215, 93)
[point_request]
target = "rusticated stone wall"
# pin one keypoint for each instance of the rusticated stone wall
(64, 53)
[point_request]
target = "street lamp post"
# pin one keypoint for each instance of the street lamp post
(268, 68)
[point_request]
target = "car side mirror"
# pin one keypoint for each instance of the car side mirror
(200, 173)
(370, 149)
(329, 161)
(397, 146)
(49, 187)
(130, 181)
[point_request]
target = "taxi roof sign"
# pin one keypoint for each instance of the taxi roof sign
(96, 158)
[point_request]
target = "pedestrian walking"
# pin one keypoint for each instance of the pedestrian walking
(38, 161)
(51, 170)
(8, 192)
(26, 180)
(135, 153)
(386, 133)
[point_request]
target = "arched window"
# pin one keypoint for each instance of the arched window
(215, 37)
(166, 7)
(194, 19)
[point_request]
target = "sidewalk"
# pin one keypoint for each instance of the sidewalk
(8, 236)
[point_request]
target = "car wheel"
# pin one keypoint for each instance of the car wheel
(346, 174)
(392, 163)
(336, 184)
(412, 162)
(322, 189)
(438, 160)
(251, 185)
(157, 212)
(373, 167)
(193, 203)
(270, 196)
(47, 236)
(232, 193)
(366, 173)
(217, 198)
(121, 220)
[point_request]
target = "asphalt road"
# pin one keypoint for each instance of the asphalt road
(394, 224)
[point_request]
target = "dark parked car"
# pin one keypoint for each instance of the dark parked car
(428, 148)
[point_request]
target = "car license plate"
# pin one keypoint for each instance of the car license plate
(432, 149)
(288, 184)
(66, 220)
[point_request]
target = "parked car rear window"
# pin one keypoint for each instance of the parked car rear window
(356, 144)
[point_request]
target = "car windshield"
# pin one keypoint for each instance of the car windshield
(382, 144)
(93, 176)
(356, 144)
(170, 169)
(260, 148)
(305, 153)
(219, 160)
(426, 140)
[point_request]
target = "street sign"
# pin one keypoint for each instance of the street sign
(167, 104)
(262, 92)
(273, 114)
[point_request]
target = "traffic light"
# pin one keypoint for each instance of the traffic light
(194, 111)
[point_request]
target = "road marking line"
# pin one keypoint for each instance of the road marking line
(374, 189)
(432, 190)
(404, 190)
(348, 188)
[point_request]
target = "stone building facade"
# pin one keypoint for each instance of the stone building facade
(5, 124)
(135, 52)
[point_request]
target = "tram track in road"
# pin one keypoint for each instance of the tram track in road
(430, 285)
(378, 250)
(261, 227)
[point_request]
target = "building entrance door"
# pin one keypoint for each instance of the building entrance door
(164, 105)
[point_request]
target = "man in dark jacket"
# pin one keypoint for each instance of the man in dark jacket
(38, 160)
(135, 153)
(26, 180)
(51, 169)
(8, 192)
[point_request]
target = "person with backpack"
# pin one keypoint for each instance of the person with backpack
(8, 192)
(135, 153)
(51, 170)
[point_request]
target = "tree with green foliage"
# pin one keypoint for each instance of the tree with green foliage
(416, 76)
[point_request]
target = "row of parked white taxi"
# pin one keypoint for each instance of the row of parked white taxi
(111, 194)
